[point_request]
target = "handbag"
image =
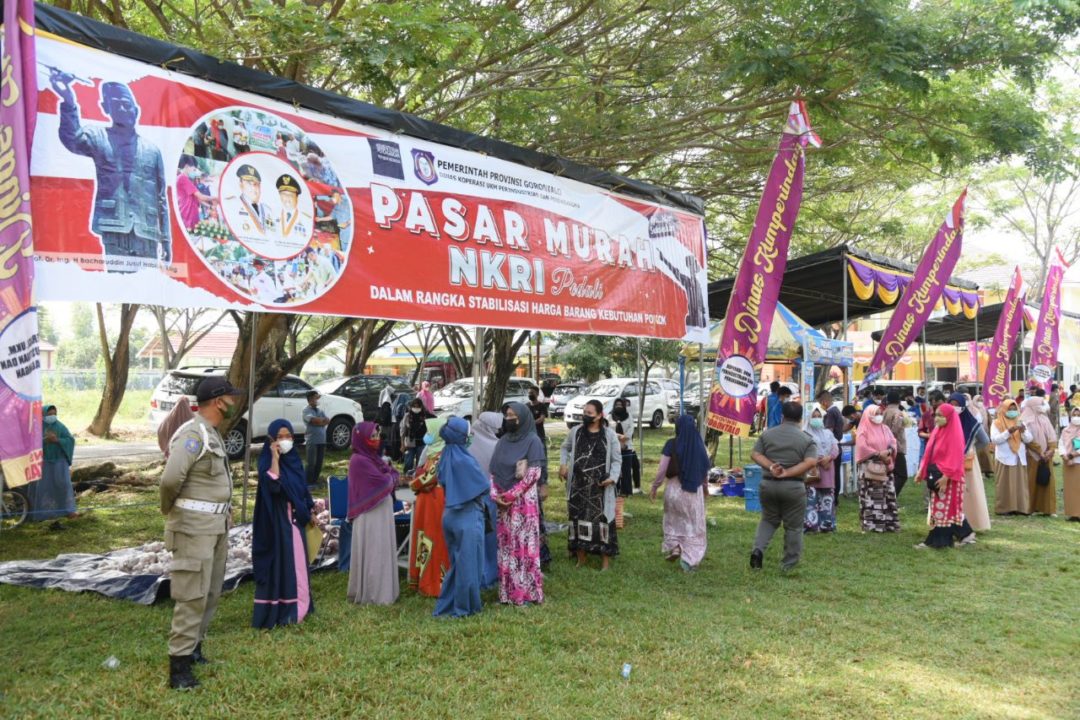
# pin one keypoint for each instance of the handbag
(933, 474)
(314, 537)
(814, 473)
(1042, 474)
(874, 470)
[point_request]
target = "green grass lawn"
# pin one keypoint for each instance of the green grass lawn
(76, 409)
(867, 627)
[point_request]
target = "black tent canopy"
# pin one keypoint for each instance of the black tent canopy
(953, 329)
(817, 287)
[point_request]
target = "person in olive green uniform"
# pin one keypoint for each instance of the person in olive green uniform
(195, 492)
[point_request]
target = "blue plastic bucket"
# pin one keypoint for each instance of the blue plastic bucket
(752, 476)
(753, 499)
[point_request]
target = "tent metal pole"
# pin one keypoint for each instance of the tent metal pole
(641, 402)
(925, 369)
(843, 328)
(703, 412)
(957, 362)
(249, 425)
(478, 370)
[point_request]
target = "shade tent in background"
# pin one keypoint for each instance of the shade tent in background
(846, 283)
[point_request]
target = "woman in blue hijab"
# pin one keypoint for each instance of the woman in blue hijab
(52, 496)
(466, 487)
(278, 553)
(684, 465)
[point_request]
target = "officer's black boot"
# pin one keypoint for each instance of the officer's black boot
(180, 675)
(197, 656)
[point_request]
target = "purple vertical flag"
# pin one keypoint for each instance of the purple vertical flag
(1044, 348)
(996, 386)
(921, 296)
(757, 286)
(20, 365)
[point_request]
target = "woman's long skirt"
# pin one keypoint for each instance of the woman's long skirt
(684, 523)
(373, 570)
(52, 496)
(878, 511)
(1011, 489)
(975, 509)
(1071, 474)
(463, 528)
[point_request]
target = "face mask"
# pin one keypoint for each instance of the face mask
(1011, 414)
(229, 411)
(429, 439)
(192, 172)
(50, 419)
(372, 443)
(414, 410)
(588, 419)
(620, 414)
(877, 419)
(285, 446)
(1075, 420)
(817, 423)
(509, 426)
(940, 421)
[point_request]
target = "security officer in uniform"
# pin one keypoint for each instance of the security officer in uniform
(195, 492)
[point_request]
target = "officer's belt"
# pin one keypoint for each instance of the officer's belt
(202, 506)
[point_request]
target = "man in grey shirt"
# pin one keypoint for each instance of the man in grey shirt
(314, 436)
(785, 452)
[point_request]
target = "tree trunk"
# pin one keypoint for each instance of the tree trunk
(271, 360)
(504, 350)
(362, 341)
(461, 347)
(116, 369)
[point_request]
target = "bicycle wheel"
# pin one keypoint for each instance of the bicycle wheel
(14, 508)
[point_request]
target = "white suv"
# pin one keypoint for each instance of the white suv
(456, 398)
(607, 390)
(285, 400)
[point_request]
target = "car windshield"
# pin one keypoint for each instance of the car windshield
(604, 389)
(176, 384)
(459, 389)
(327, 387)
(566, 390)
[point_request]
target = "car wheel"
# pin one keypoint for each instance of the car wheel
(235, 440)
(657, 419)
(339, 433)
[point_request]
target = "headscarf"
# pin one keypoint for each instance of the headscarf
(823, 436)
(426, 397)
(945, 448)
(64, 447)
(523, 443)
(977, 408)
(370, 478)
(969, 424)
(431, 449)
(459, 473)
(1042, 430)
(180, 414)
(1002, 423)
(693, 458)
(290, 474)
(484, 439)
(386, 395)
(1070, 433)
(871, 437)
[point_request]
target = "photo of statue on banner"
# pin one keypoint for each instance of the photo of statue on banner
(262, 206)
(130, 215)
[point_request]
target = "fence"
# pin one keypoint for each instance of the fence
(95, 379)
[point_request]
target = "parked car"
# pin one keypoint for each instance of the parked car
(365, 389)
(562, 394)
(691, 401)
(456, 398)
(607, 390)
(286, 400)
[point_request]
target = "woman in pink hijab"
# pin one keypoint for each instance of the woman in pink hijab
(942, 469)
(875, 453)
(427, 397)
(1042, 499)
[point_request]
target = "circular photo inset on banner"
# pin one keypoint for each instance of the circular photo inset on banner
(737, 377)
(262, 206)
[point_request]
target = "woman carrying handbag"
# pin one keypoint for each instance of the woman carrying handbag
(875, 454)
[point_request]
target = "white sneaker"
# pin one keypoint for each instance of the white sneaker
(969, 540)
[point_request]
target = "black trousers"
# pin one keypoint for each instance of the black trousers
(900, 476)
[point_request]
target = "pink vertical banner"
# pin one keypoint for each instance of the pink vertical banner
(20, 365)
(922, 295)
(1044, 346)
(996, 384)
(757, 286)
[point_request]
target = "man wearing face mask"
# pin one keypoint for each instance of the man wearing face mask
(196, 488)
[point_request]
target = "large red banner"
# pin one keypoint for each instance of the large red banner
(160, 188)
